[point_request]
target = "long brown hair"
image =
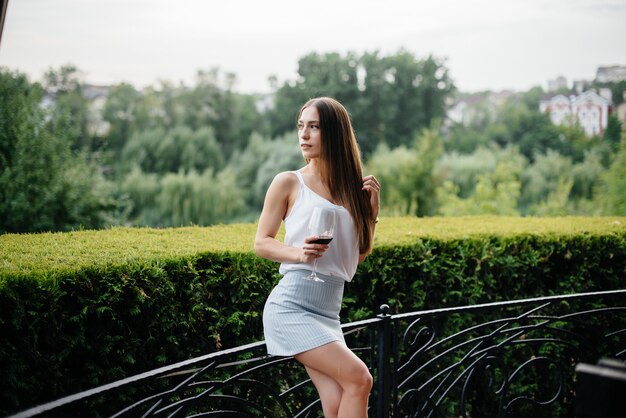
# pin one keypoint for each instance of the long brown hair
(340, 165)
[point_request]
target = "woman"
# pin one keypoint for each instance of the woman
(301, 317)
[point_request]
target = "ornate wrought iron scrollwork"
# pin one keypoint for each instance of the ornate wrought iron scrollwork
(415, 403)
(244, 392)
(545, 397)
(513, 361)
(513, 358)
(496, 384)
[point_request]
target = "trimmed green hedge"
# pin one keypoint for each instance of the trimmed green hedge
(85, 308)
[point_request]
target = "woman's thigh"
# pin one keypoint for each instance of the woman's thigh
(338, 362)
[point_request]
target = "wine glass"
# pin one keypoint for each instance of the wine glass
(322, 225)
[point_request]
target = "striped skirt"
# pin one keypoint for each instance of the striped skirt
(302, 314)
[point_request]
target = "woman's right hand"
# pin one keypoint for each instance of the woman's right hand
(312, 251)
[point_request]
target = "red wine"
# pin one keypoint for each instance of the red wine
(322, 240)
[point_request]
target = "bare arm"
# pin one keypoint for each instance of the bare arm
(278, 200)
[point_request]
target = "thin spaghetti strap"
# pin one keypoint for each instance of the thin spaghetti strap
(300, 178)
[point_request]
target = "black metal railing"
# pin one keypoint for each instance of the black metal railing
(514, 358)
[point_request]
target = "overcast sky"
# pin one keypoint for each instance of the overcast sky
(487, 44)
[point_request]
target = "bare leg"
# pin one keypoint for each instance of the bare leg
(339, 374)
(329, 390)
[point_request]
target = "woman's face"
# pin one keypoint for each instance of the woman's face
(309, 133)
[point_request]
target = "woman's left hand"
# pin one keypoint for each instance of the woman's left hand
(372, 186)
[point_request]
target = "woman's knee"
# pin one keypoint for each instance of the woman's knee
(368, 380)
(362, 380)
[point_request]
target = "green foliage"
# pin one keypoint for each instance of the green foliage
(518, 122)
(463, 170)
(318, 75)
(142, 190)
(586, 175)
(96, 326)
(394, 169)
(263, 158)
(466, 139)
(281, 155)
(612, 192)
(561, 168)
(548, 173)
(57, 172)
(205, 199)
(613, 131)
(169, 151)
(496, 193)
(391, 98)
(179, 199)
(44, 184)
(532, 132)
(408, 175)
(556, 202)
(85, 308)
(19, 113)
(120, 112)
(69, 117)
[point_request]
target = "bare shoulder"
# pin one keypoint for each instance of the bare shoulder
(286, 181)
(281, 194)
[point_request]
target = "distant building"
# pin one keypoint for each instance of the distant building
(581, 85)
(558, 83)
(96, 97)
(472, 107)
(559, 107)
(589, 109)
(611, 74)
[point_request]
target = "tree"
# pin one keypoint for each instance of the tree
(464, 170)
(586, 175)
(390, 98)
(613, 131)
(611, 194)
(119, 112)
(286, 156)
(141, 189)
(69, 117)
(496, 193)
(44, 186)
(140, 151)
(211, 102)
(194, 199)
(407, 175)
(327, 74)
(263, 158)
(400, 96)
(394, 169)
(557, 201)
(548, 173)
(170, 151)
(531, 131)
(466, 139)
(200, 151)
(29, 157)
(429, 149)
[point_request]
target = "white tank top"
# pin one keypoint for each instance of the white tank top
(342, 257)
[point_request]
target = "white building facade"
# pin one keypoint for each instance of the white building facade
(588, 109)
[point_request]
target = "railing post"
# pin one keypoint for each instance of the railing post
(383, 383)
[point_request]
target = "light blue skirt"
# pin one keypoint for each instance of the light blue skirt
(302, 314)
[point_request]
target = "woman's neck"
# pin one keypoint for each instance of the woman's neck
(314, 169)
(318, 183)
